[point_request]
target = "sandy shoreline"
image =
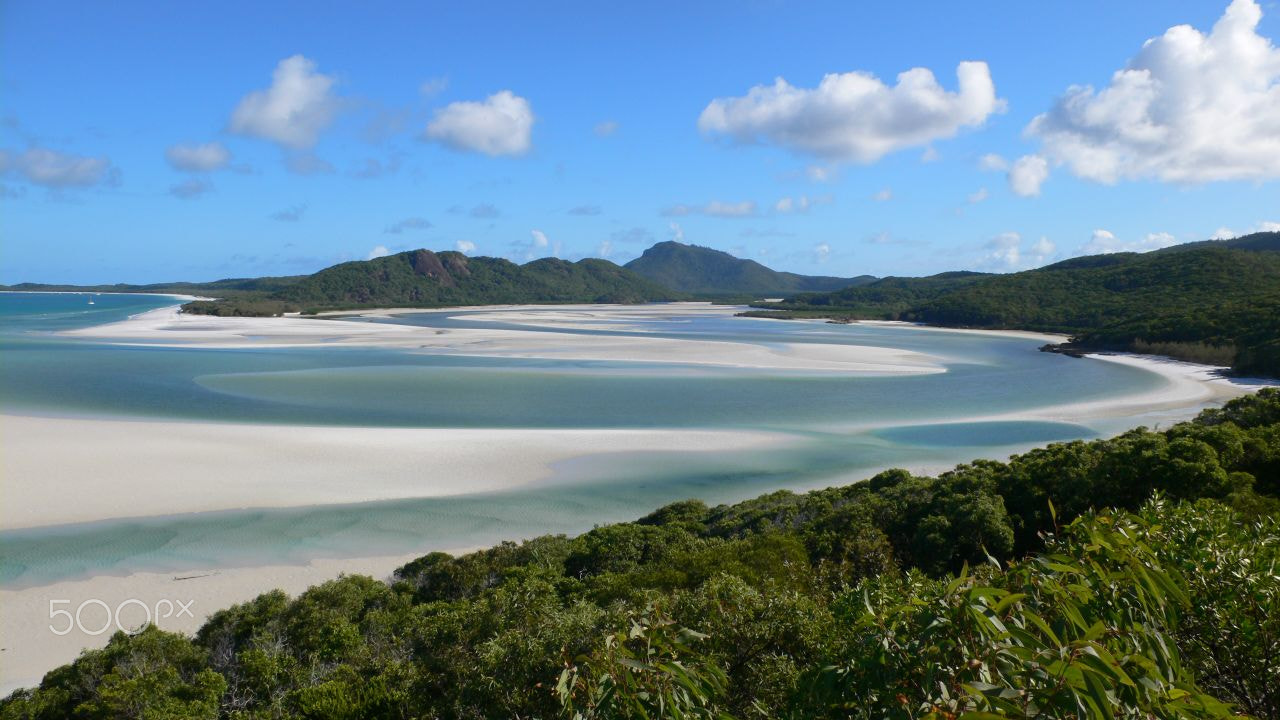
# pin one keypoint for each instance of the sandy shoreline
(227, 466)
(166, 326)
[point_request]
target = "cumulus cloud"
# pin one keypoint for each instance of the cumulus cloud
(1027, 174)
(377, 252)
(205, 157)
(677, 232)
(464, 246)
(1042, 251)
(854, 116)
(821, 252)
(538, 245)
(290, 214)
(1225, 233)
(992, 162)
(606, 128)
(605, 250)
(715, 208)
(56, 170)
(293, 112)
(1190, 107)
(1006, 252)
(1105, 241)
(409, 223)
(191, 188)
(501, 124)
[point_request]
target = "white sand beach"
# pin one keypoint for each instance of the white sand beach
(226, 466)
(168, 326)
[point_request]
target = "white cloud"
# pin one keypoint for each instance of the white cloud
(677, 232)
(464, 246)
(992, 162)
(1027, 175)
(798, 204)
(377, 252)
(818, 173)
(605, 250)
(606, 128)
(930, 155)
(293, 111)
(1105, 241)
(978, 196)
(1224, 233)
(715, 208)
(883, 196)
(57, 170)
(1188, 108)
(198, 158)
(537, 246)
(821, 252)
(1042, 251)
(854, 116)
(501, 124)
(1005, 252)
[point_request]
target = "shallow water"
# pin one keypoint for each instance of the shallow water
(845, 426)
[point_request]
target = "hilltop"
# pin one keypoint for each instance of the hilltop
(706, 272)
(422, 278)
(1214, 302)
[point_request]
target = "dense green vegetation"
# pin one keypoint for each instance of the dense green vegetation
(705, 272)
(237, 296)
(1129, 577)
(1216, 302)
(422, 278)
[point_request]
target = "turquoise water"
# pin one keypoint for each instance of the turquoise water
(845, 427)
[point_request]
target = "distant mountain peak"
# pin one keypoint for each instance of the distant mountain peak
(707, 271)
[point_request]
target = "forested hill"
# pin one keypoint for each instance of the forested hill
(1216, 302)
(422, 278)
(993, 589)
(706, 272)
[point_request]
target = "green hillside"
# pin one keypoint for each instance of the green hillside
(706, 272)
(1131, 577)
(1216, 302)
(422, 278)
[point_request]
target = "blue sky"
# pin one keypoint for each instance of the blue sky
(159, 141)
